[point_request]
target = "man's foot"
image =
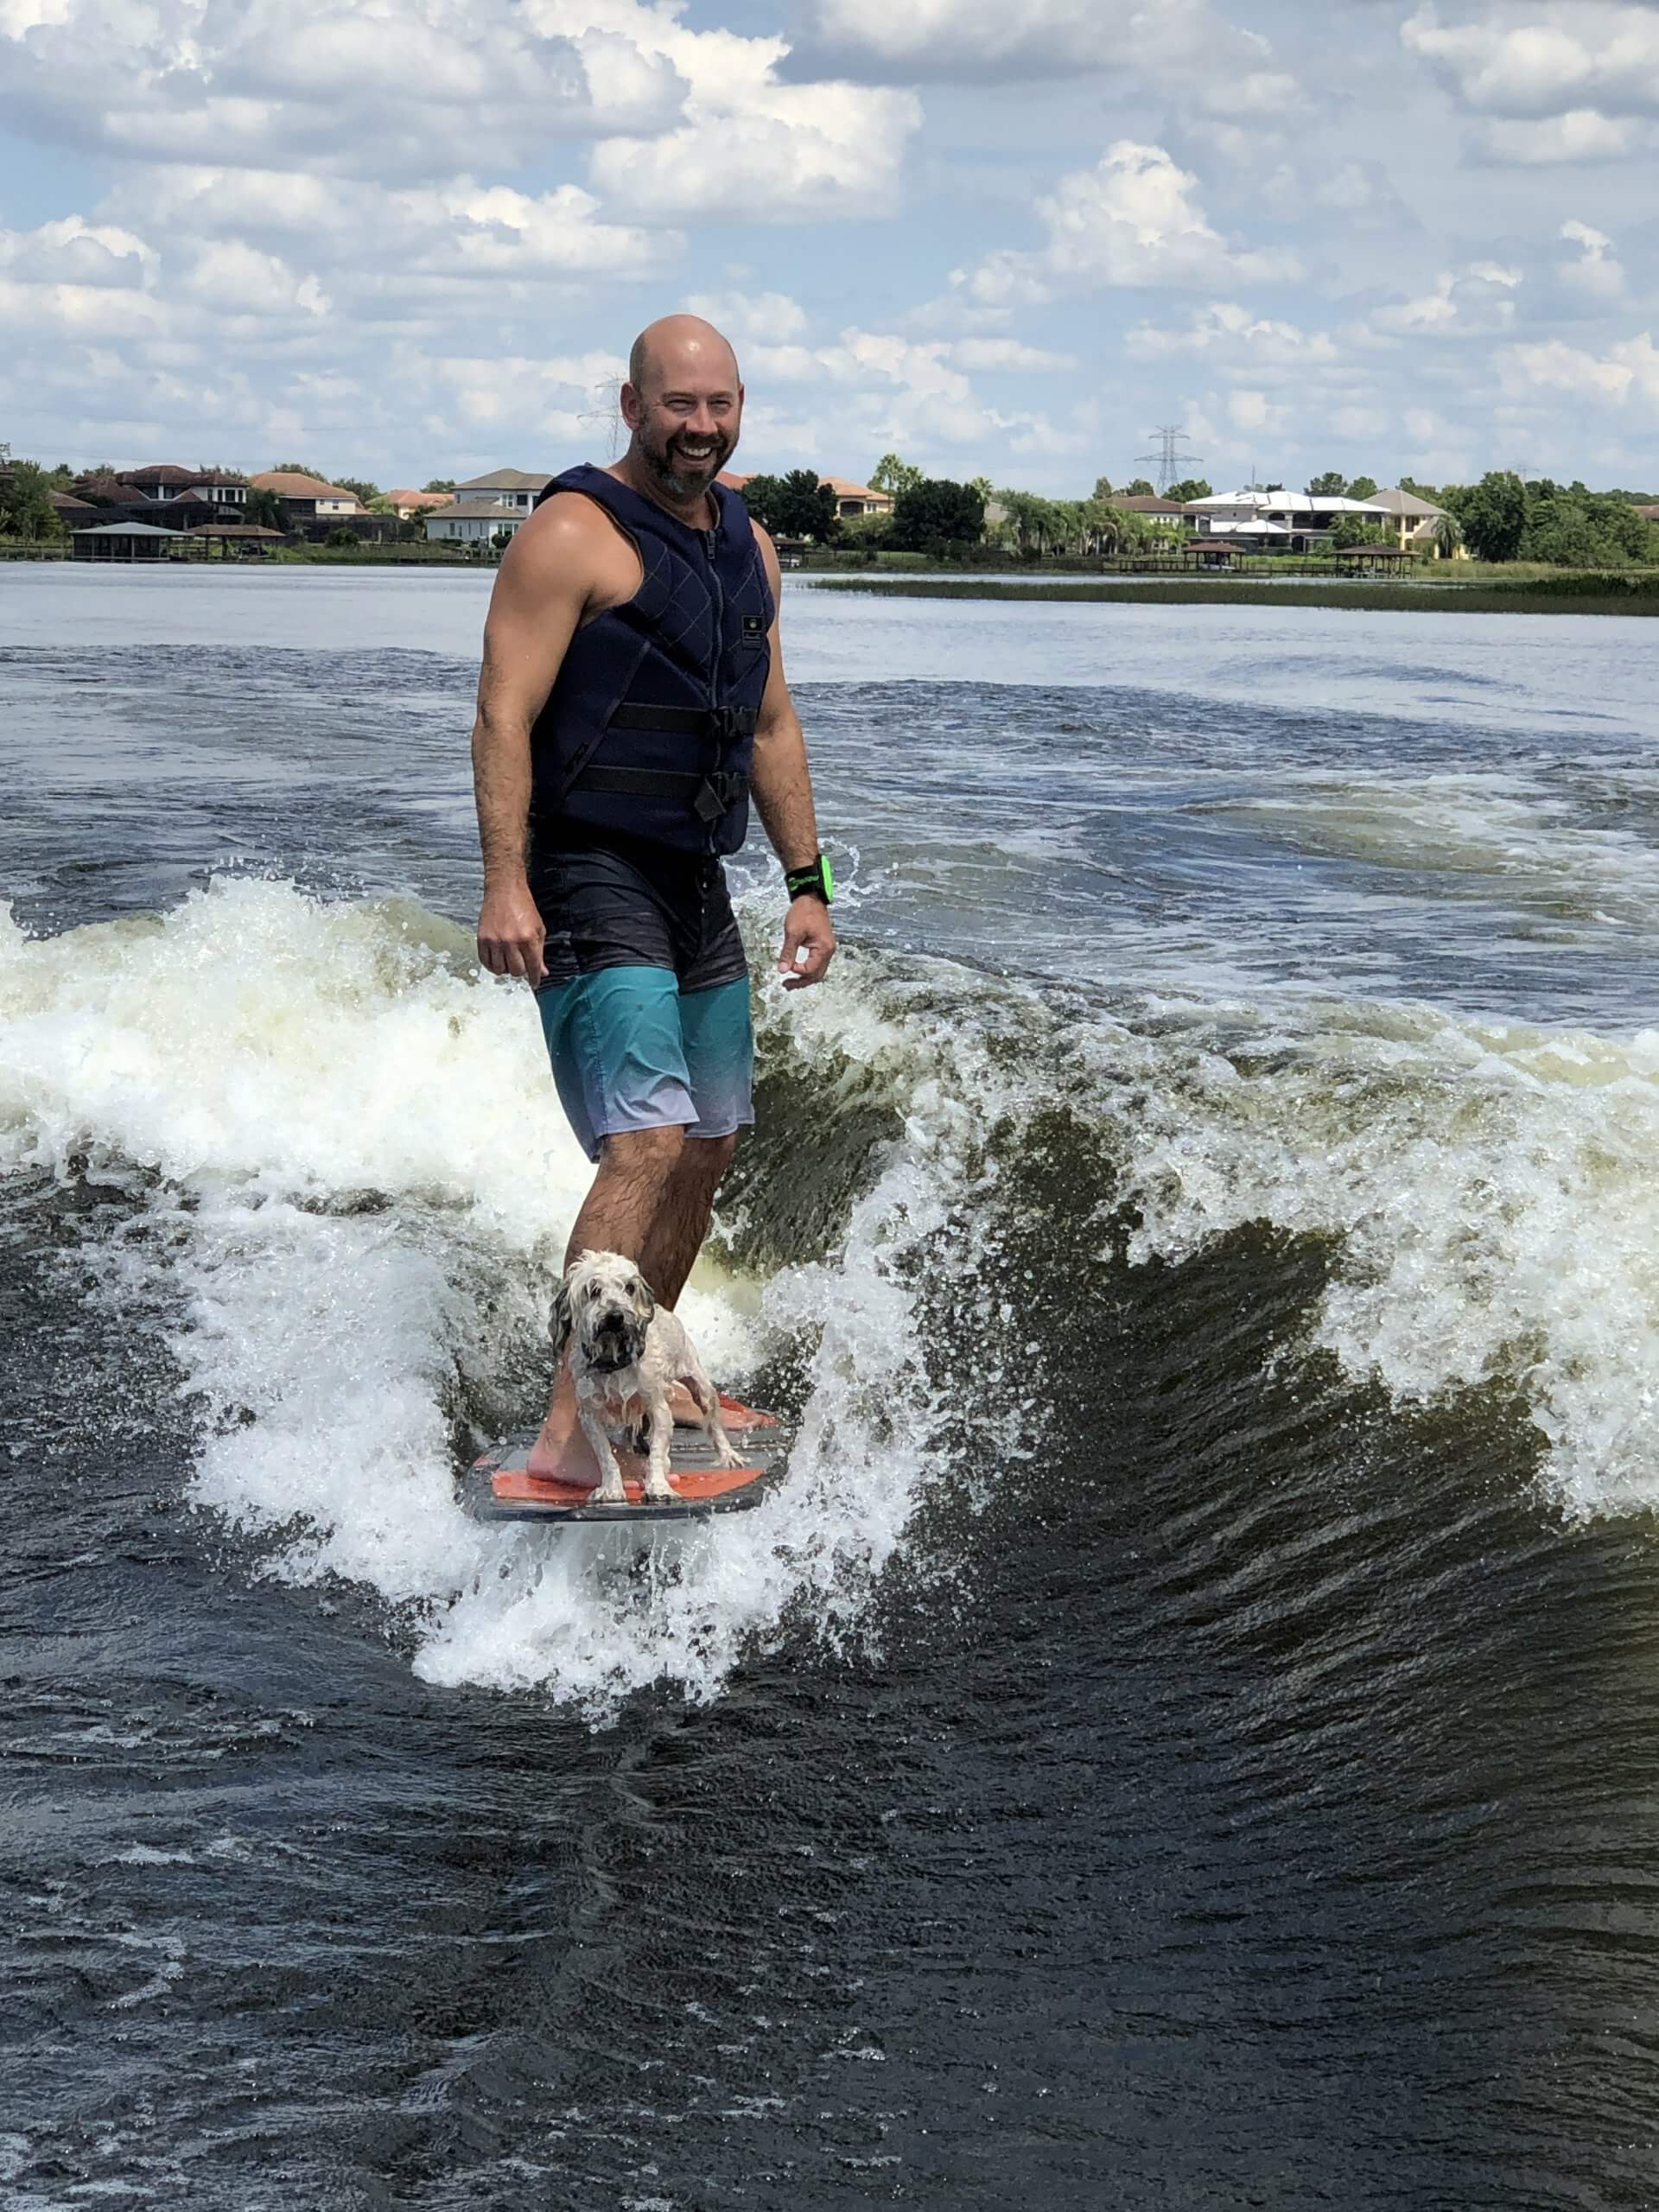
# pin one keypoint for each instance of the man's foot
(562, 1454)
(683, 1407)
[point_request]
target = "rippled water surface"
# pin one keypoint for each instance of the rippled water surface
(1183, 1734)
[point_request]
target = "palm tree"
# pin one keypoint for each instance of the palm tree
(1445, 537)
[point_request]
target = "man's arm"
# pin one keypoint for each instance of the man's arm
(782, 784)
(541, 593)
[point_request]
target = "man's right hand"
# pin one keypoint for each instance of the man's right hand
(510, 932)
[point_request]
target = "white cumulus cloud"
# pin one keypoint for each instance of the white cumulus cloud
(1183, 48)
(1132, 219)
(1474, 301)
(1628, 370)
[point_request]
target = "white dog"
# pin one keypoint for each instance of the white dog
(626, 1352)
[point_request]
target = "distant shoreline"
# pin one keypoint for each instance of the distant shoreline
(1570, 593)
(1551, 592)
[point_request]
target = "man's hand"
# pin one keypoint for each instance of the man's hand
(510, 932)
(809, 942)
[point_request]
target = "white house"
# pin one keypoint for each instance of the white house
(1278, 520)
(472, 522)
(516, 488)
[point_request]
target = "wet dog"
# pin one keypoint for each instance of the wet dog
(626, 1352)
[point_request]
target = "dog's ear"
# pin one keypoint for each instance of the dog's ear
(558, 1327)
(645, 1297)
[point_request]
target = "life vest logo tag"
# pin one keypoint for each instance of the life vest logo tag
(753, 626)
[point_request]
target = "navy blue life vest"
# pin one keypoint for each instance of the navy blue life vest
(649, 730)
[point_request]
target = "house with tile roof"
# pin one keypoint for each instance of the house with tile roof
(308, 499)
(409, 506)
(854, 499)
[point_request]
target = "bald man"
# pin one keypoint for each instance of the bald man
(632, 700)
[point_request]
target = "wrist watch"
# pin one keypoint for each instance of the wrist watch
(815, 879)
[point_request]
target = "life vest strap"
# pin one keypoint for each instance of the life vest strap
(709, 796)
(686, 721)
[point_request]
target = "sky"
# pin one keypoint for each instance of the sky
(407, 238)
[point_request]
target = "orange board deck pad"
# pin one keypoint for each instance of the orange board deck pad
(514, 1493)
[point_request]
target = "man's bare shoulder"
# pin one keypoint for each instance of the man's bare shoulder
(569, 545)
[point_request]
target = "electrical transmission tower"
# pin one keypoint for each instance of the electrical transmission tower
(604, 417)
(1170, 460)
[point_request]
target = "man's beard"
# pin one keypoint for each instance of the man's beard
(690, 478)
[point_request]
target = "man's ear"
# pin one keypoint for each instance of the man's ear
(559, 1321)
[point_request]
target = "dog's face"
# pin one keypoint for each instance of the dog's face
(606, 1304)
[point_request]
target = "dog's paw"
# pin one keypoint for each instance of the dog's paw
(662, 1494)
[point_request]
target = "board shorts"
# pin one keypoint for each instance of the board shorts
(645, 1003)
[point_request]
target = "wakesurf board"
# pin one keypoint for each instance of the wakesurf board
(501, 1487)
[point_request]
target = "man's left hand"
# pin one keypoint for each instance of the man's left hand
(809, 942)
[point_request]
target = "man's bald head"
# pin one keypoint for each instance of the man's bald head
(684, 405)
(680, 345)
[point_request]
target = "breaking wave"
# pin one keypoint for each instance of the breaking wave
(343, 1185)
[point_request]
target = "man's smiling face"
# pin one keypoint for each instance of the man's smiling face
(684, 412)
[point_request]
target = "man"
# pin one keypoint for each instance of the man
(632, 698)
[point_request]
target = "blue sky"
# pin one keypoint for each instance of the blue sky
(400, 239)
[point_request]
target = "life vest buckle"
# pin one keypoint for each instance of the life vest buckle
(720, 790)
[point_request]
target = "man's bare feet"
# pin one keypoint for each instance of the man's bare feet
(562, 1454)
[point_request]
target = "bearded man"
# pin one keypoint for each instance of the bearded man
(631, 699)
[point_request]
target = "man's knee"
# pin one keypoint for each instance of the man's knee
(644, 1155)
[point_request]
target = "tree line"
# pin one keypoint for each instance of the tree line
(1501, 517)
(1567, 525)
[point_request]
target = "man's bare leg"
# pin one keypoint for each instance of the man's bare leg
(676, 1235)
(681, 1223)
(636, 1172)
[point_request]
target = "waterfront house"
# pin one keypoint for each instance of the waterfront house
(1412, 520)
(308, 499)
(163, 482)
(851, 499)
(165, 494)
(472, 523)
(516, 489)
(854, 499)
(1278, 521)
(409, 506)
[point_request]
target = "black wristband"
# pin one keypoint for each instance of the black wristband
(815, 879)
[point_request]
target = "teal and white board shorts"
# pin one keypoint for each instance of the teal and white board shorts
(632, 1049)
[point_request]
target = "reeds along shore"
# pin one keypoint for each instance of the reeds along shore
(1569, 592)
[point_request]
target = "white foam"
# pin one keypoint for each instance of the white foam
(1491, 1192)
(364, 1181)
(358, 1181)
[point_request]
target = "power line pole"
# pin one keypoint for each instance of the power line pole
(1170, 460)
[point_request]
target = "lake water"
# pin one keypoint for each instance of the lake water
(1186, 1732)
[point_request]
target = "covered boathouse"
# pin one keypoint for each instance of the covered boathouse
(126, 541)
